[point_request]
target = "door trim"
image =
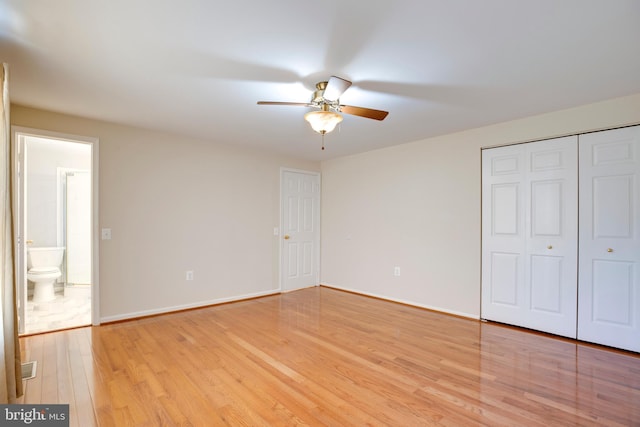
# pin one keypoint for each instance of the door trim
(17, 134)
(317, 243)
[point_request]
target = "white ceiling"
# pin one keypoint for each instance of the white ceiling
(197, 67)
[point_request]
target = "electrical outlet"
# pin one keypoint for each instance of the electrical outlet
(189, 274)
(396, 271)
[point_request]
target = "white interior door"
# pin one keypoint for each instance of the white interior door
(78, 226)
(300, 229)
(609, 286)
(529, 235)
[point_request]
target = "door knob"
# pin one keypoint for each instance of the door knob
(287, 237)
(609, 250)
(549, 247)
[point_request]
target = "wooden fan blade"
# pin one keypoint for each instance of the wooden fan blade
(296, 104)
(364, 112)
(335, 87)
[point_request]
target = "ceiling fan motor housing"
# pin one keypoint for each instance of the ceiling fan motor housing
(318, 95)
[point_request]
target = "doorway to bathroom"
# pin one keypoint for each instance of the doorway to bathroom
(55, 216)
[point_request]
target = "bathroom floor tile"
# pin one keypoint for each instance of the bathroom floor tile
(71, 308)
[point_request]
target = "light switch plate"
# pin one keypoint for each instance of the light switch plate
(106, 234)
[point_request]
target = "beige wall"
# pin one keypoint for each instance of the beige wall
(417, 206)
(174, 204)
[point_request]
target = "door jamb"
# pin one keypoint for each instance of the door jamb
(18, 132)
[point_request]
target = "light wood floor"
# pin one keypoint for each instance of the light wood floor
(325, 357)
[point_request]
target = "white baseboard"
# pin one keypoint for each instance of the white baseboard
(199, 304)
(411, 303)
(297, 289)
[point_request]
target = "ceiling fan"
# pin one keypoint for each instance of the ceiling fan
(326, 99)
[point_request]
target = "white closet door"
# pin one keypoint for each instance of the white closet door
(609, 287)
(529, 235)
(503, 234)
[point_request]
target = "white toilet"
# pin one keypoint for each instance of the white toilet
(43, 270)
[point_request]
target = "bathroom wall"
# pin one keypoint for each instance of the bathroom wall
(44, 156)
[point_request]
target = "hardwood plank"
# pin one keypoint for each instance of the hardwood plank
(80, 386)
(51, 383)
(320, 356)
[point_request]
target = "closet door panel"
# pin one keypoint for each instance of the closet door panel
(546, 208)
(612, 293)
(506, 260)
(612, 198)
(529, 235)
(505, 201)
(552, 232)
(546, 284)
(503, 238)
(609, 286)
(505, 278)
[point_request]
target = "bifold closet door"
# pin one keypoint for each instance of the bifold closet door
(529, 235)
(609, 275)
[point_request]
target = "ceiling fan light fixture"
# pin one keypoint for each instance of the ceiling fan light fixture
(323, 121)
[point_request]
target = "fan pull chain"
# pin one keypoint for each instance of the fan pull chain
(323, 141)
